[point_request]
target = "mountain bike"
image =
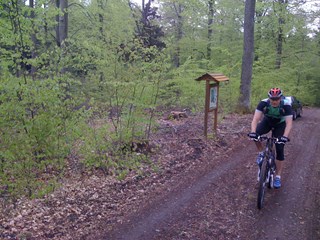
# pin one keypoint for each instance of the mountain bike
(267, 168)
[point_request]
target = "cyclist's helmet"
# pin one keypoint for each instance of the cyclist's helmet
(275, 93)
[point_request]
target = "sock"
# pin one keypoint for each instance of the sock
(278, 176)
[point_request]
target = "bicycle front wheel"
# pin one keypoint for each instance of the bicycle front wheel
(262, 184)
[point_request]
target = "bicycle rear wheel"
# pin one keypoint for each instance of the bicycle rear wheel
(262, 184)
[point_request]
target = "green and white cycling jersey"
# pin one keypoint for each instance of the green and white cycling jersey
(276, 115)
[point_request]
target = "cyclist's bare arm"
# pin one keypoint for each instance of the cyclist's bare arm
(288, 126)
(256, 118)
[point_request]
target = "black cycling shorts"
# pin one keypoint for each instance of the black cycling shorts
(264, 127)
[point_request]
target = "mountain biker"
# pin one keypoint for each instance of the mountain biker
(277, 115)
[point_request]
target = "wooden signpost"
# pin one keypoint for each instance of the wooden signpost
(212, 97)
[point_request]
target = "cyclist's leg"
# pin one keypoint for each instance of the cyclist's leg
(262, 128)
(278, 132)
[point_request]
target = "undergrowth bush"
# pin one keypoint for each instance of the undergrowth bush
(36, 123)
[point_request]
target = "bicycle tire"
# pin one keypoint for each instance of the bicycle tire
(270, 182)
(272, 169)
(262, 184)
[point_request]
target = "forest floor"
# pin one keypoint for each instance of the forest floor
(200, 189)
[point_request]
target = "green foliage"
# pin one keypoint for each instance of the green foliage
(101, 149)
(35, 128)
(125, 97)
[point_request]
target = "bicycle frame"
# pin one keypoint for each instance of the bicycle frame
(267, 169)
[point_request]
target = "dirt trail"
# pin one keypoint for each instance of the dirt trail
(220, 202)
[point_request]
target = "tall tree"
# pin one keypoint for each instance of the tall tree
(147, 28)
(178, 9)
(210, 26)
(247, 58)
(17, 41)
(33, 36)
(281, 11)
(62, 22)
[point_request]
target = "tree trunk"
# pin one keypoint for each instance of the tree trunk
(279, 46)
(179, 34)
(33, 38)
(247, 58)
(101, 20)
(280, 38)
(210, 31)
(62, 22)
(260, 14)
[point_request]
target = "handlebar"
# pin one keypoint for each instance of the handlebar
(265, 138)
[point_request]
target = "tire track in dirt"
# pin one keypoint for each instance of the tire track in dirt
(170, 208)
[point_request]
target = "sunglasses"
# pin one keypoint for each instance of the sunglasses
(274, 98)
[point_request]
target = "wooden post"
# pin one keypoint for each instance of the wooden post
(207, 109)
(216, 111)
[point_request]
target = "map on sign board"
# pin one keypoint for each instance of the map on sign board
(213, 97)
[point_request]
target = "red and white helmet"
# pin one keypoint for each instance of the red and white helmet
(275, 93)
